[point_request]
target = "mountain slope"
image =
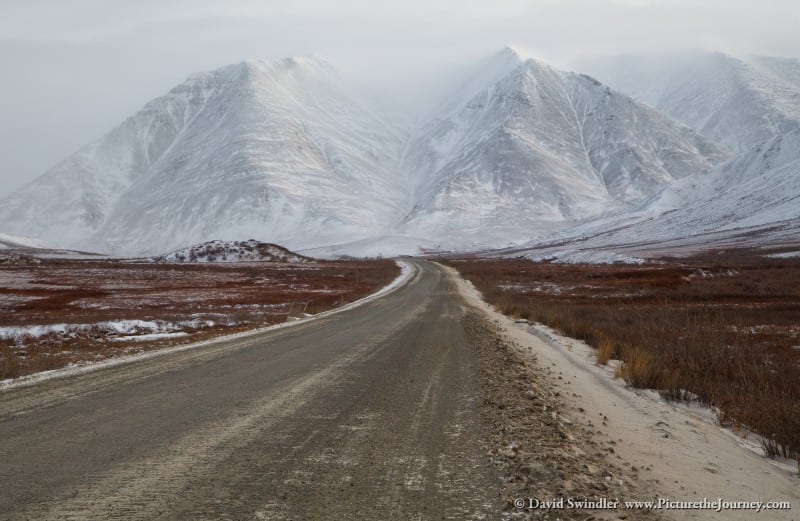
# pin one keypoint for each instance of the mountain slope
(541, 147)
(738, 103)
(758, 188)
(251, 150)
(13, 241)
(752, 200)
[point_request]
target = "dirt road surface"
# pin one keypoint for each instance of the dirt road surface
(374, 413)
(414, 406)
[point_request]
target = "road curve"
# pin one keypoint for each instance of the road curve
(373, 413)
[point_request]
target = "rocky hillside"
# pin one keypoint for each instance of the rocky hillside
(233, 251)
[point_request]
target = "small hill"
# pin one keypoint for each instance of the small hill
(233, 251)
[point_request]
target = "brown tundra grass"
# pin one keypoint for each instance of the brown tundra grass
(723, 330)
(236, 296)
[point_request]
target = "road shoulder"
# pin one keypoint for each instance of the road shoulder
(670, 453)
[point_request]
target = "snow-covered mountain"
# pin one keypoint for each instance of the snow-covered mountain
(282, 152)
(539, 147)
(753, 200)
(737, 102)
(275, 151)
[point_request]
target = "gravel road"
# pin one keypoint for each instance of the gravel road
(374, 413)
(411, 406)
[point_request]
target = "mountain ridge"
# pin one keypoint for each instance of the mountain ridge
(738, 102)
(557, 165)
(283, 152)
(261, 136)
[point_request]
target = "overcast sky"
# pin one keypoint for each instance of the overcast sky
(71, 70)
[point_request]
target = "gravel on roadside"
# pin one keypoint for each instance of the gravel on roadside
(540, 453)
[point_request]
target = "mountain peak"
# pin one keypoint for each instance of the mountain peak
(508, 55)
(312, 62)
(532, 64)
(511, 51)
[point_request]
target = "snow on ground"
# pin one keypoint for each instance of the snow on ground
(784, 255)
(571, 256)
(131, 329)
(69, 255)
(389, 246)
(16, 280)
(32, 331)
(150, 337)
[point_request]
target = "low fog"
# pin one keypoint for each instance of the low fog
(74, 69)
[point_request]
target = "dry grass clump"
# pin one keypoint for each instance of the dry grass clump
(639, 369)
(607, 349)
(722, 330)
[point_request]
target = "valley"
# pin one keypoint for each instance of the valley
(273, 294)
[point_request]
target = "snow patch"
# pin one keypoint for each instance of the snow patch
(150, 337)
(133, 328)
(785, 255)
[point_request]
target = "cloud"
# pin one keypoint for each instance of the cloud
(81, 66)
